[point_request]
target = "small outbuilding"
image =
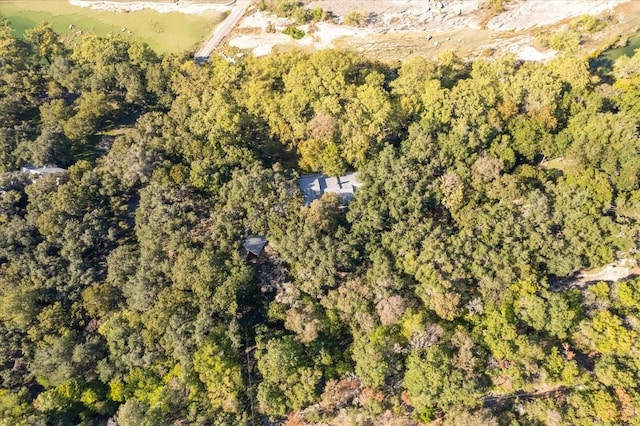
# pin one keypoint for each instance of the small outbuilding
(254, 245)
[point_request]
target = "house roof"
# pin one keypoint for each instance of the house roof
(41, 171)
(313, 186)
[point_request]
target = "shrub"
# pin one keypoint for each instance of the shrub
(286, 8)
(497, 6)
(318, 14)
(301, 15)
(563, 40)
(355, 19)
(295, 33)
(588, 23)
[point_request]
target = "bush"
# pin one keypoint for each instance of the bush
(295, 33)
(301, 15)
(497, 6)
(588, 23)
(355, 19)
(563, 40)
(292, 9)
(318, 14)
(286, 8)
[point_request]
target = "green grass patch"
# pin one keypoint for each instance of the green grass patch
(164, 32)
(631, 45)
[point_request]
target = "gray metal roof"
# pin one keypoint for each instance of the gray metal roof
(41, 171)
(254, 244)
(313, 186)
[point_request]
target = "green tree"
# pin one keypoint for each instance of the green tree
(46, 41)
(376, 356)
(432, 382)
(290, 381)
(221, 372)
(606, 334)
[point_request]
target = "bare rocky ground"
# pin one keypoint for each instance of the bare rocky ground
(396, 29)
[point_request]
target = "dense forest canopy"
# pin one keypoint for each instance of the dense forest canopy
(440, 291)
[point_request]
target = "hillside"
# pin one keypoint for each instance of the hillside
(313, 238)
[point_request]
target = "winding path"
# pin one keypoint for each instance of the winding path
(222, 30)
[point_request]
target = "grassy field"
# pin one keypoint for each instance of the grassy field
(164, 32)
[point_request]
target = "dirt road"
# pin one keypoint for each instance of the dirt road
(223, 29)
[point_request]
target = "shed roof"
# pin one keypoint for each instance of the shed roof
(254, 244)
